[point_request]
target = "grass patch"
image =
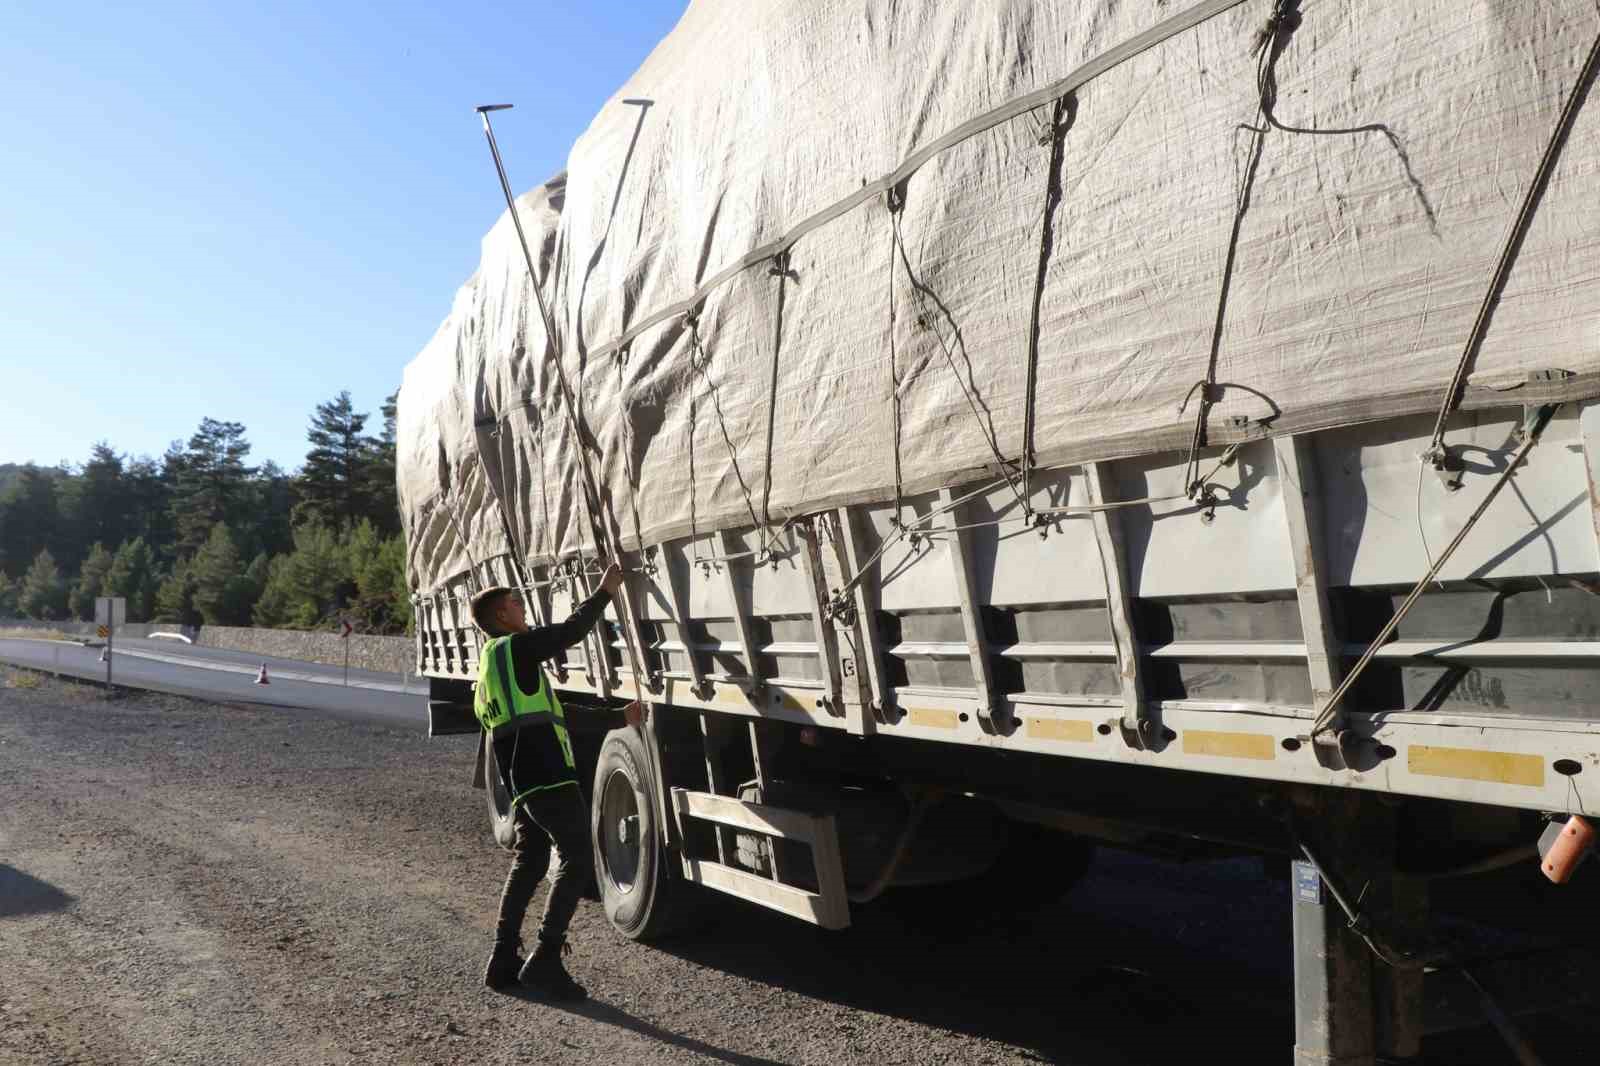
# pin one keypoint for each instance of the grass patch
(72, 690)
(24, 679)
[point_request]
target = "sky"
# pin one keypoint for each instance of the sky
(236, 211)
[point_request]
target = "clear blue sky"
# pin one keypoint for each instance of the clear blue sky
(237, 210)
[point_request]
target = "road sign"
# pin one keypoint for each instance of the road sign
(102, 632)
(345, 629)
(111, 610)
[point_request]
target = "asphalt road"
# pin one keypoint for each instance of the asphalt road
(230, 676)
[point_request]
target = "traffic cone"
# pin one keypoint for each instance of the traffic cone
(261, 678)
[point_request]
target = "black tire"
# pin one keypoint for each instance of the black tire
(501, 823)
(644, 896)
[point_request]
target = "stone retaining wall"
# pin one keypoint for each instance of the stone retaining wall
(136, 630)
(395, 655)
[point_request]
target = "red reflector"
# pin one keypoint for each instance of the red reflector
(1573, 842)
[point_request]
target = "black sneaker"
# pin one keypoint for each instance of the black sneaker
(543, 975)
(504, 964)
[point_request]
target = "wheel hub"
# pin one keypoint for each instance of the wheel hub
(621, 844)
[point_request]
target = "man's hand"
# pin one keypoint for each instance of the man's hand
(611, 580)
(635, 713)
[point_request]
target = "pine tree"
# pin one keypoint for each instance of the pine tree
(175, 597)
(256, 575)
(212, 483)
(275, 605)
(377, 566)
(29, 518)
(94, 505)
(44, 593)
(272, 498)
(91, 582)
(132, 576)
(383, 501)
(222, 590)
(335, 482)
(154, 484)
(306, 588)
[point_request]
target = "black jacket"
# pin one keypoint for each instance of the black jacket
(532, 758)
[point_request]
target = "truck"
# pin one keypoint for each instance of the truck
(1027, 427)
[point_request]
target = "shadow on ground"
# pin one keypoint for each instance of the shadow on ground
(22, 894)
(1144, 962)
(1141, 960)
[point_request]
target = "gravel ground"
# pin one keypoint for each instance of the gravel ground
(188, 882)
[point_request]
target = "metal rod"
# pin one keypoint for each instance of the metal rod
(1502, 1023)
(549, 333)
(511, 204)
(1532, 431)
(590, 486)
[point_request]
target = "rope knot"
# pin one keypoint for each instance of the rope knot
(1284, 20)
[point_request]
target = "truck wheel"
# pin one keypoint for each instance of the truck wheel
(500, 819)
(642, 892)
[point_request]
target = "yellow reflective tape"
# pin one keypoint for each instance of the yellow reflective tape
(1229, 745)
(931, 717)
(1470, 764)
(1073, 729)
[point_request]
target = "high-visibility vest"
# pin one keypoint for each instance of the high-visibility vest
(502, 707)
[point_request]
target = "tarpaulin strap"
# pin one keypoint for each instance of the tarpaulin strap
(895, 202)
(780, 270)
(1513, 244)
(698, 360)
(497, 488)
(1061, 117)
(925, 319)
(544, 487)
(627, 455)
(1082, 75)
(1268, 46)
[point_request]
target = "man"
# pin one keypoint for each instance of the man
(533, 752)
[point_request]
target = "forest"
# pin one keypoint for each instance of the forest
(200, 536)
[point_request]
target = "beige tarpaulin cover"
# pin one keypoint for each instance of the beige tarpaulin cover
(1404, 137)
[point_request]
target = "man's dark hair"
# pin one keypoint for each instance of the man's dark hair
(484, 606)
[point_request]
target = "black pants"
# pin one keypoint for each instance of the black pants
(560, 817)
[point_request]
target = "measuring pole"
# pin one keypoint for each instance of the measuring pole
(592, 506)
(593, 509)
(111, 643)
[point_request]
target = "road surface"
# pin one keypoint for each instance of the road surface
(212, 673)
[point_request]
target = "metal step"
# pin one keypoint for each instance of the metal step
(827, 907)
